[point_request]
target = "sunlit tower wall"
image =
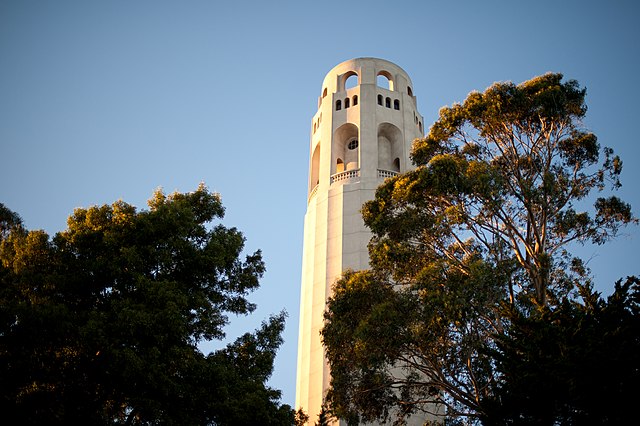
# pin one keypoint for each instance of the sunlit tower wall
(360, 136)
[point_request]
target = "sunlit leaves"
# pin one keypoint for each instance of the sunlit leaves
(504, 167)
(484, 223)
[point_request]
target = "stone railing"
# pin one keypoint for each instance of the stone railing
(386, 173)
(345, 175)
(312, 193)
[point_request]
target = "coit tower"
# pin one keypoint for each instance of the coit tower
(361, 134)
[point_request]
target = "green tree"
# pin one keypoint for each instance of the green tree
(576, 364)
(485, 220)
(100, 324)
(8, 221)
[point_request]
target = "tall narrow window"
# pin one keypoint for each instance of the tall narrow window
(338, 105)
(380, 100)
(324, 92)
(396, 104)
(409, 91)
(387, 102)
(346, 103)
(355, 100)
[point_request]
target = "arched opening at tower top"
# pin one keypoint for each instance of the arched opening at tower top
(347, 80)
(351, 82)
(385, 80)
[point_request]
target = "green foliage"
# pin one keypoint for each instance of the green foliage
(100, 324)
(8, 221)
(506, 168)
(485, 221)
(575, 363)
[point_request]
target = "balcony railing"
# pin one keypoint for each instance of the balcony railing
(386, 173)
(312, 193)
(345, 175)
(349, 174)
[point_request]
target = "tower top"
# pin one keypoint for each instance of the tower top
(367, 70)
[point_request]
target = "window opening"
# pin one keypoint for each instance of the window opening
(338, 105)
(384, 81)
(353, 144)
(346, 103)
(387, 102)
(396, 104)
(355, 100)
(409, 91)
(380, 100)
(324, 92)
(351, 81)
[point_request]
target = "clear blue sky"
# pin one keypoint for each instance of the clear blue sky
(108, 100)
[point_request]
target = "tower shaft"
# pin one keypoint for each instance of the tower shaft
(361, 134)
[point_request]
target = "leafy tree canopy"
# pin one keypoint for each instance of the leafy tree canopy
(100, 324)
(576, 364)
(484, 223)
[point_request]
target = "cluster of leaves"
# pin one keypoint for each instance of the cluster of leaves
(481, 228)
(100, 324)
(576, 363)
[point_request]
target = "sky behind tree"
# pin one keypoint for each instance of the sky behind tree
(108, 100)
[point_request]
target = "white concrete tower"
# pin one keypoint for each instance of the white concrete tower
(360, 136)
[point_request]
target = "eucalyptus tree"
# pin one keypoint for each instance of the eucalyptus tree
(500, 194)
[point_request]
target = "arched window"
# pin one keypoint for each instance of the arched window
(339, 165)
(420, 126)
(351, 81)
(385, 80)
(396, 104)
(409, 91)
(387, 102)
(324, 92)
(355, 100)
(346, 103)
(380, 100)
(314, 177)
(338, 105)
(390, 147)
(344, 137)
